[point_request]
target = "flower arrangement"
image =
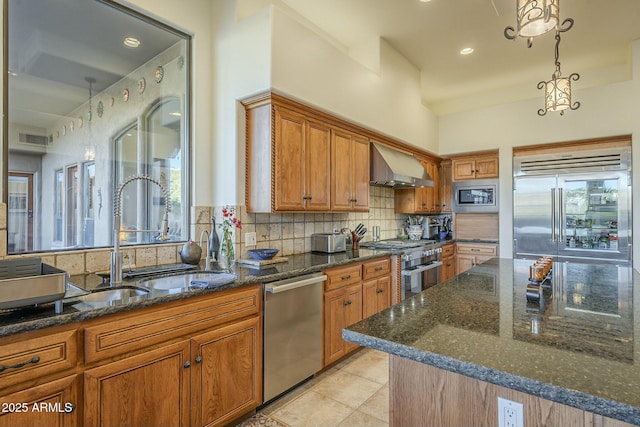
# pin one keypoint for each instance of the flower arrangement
(228, 224)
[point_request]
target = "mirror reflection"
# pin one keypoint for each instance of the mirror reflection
(96, 94)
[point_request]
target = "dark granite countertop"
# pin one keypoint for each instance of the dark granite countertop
(576, 346)
(31, 318)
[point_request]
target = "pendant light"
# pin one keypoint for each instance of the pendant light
(557, 91)
(534, 18)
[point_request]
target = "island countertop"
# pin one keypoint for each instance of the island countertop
(577, 346)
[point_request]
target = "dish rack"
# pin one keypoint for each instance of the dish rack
(27, 281)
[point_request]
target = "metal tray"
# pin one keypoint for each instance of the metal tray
(27, 281)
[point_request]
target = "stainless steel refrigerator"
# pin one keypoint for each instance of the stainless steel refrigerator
(574, 206)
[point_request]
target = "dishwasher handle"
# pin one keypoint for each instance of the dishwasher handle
(289, 284)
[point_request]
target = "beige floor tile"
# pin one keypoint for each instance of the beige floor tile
(312, 409)
(372, 365)
(378, 404)
(347, 388)
(360, 419)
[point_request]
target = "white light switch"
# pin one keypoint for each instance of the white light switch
(250, 239)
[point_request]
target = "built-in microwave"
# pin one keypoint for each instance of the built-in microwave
(478, 195)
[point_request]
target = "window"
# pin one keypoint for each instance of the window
(87, 111)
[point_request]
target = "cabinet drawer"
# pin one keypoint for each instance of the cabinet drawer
(477, 249)
(132, 332)
(448, 250)
(343, 276)
(36, 355)
(372, 269)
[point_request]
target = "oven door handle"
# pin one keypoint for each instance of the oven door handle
(422, 268)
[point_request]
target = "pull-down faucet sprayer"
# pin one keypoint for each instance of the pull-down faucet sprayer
(115, 273)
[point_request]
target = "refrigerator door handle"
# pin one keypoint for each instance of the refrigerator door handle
(553, 214)
(560, 218)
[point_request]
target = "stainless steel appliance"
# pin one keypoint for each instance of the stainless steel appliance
(477, 195)
(28, 281)
(575, 206)
(292, 332)
(419, 260)
(328, 242)
(393, 168)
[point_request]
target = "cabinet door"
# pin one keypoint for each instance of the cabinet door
(448, 269)
(317, 155)
(353, 311)
(487, 167)
(289, 161)
(227, 373)
(445, 186)
(341, 171)
(463, 169)
(149, 389)
(369, 298)
(464, 263)
(334, 321)
(51, 404)
(383, 292)
(361, 175)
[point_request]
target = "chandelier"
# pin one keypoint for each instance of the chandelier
(534, 18)
(557, 91)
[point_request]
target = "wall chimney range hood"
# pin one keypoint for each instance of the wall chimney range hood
(393, 168)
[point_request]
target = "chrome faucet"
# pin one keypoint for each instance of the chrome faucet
(207, 259)
(115, 271)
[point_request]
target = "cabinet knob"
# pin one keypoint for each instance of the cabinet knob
(187, 364)
(379, 291)
(69, 407)
(347, 302)
(198, 359)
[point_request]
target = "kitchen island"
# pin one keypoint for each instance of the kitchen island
(571, 357)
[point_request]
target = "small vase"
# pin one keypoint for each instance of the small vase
(226, 255)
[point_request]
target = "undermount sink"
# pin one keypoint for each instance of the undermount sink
(114, 296)
(182, 282)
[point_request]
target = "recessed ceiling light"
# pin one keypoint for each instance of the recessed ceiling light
(466, 51)
(131, 42)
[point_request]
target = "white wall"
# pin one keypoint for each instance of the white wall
(604, 111)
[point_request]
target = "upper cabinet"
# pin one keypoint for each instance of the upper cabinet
(301, 161)
(445, 186)
(349, 172)
(475, 167)
(421, 200)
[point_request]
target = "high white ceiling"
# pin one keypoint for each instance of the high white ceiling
(430, 35)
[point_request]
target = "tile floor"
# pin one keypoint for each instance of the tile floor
(355, 392)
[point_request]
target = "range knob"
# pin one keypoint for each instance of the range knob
(439, 250)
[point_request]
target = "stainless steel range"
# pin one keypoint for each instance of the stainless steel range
(418, 262)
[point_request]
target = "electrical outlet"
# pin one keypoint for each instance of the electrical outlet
(250, 239)
(510, 413)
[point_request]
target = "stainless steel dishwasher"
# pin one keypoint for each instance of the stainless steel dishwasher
(292, 332)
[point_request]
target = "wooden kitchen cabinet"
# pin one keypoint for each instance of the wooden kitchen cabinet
(52, 404)
(475, 167)
(302, 156)
(227, 373)
(470, 254)
(446, 190)
(196, 362)
(349, 171)
(376, 286)
(148, 389)
(352, 292)
(448, 269)
(420, 200)
(299, 159)
(343, 307)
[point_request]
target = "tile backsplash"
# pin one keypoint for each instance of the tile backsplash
(288, 232)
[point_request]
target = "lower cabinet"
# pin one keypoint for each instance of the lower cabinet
(150, 389)
(448, 269)
(208, 380)
(352, 293)
(51, 404)
(471, 254)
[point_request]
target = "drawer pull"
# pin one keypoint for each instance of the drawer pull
(198, 359)
(347, 277)
(379, 268)
(33, 360)
(475, 250)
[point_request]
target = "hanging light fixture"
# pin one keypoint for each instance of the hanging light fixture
(534, 18)
(557, 91)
